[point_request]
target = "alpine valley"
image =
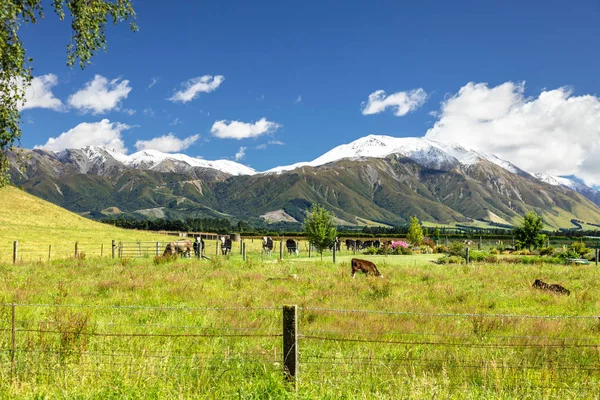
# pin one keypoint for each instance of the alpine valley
(373, 180)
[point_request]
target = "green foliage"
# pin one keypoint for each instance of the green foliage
(436, 234)
(88, 24)
(456, 249)
(546, 251)
(528, 235)
(319, 226)
(415, 232)
(579, 248)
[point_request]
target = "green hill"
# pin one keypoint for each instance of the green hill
(37, 224)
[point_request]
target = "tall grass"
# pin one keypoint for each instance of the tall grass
(203, 329)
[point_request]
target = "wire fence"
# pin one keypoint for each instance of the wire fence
(502, 351)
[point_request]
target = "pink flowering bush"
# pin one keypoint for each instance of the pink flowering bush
(399, 243)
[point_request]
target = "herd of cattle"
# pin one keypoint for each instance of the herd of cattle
(186, 246)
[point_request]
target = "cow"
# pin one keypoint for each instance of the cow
(359, 244)
(225, 245)
(371, 243)
(291, 246)
(336, 243)
(179, 247)
(350, 244)
(198, 246)
(538, 284)
(267, 245)
(364, 266)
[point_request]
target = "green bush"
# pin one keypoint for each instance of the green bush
(370, 251)
(456, 249)
(451, 260)
(579, 248)
(546, 251)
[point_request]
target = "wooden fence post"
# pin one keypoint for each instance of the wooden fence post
(467, 254)
(309, 249)
(241, 245)
(244, 251)
(354, 247)
(597, 254)
(76, 249)
(15, 251)
(290, 344)
(49, 251)
(217, 246)
(479, 244)
(113, 248)
(334, 249)
(157, 248)
(281, 249)
(12, 341)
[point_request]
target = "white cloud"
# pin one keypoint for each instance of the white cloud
(276, 142)
(104, 133)
(129, 111)
(401, 102)
(153, 81)
(39, 94)
(192, 87)
(176, 121)
(299, 99)
(261, 147)
(100, 95)
(555, 133)
(168, 143)
(239, 156)
(241, 130)
(148, 112)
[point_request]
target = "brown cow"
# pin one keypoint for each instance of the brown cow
(538, 284)
(364, 266)
(180, 246)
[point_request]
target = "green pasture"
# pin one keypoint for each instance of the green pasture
(102, 328)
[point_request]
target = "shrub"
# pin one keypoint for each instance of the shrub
(160, 260)
(370, 250)
(441, 249)
(399, 243)
(451, 260)
(456, 249)
(495, 251)
(477, 256)
(579, 248)
(428, 242)
(546, 251)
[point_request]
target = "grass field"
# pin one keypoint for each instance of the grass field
(131, 328)
(208, 329)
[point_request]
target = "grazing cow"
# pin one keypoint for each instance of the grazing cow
(350, 244)
(336, 244)
(291, 246)
(538, 284)
(267, 245)
(225, 245)
(198, 245)
(359, 244)
(364, 266)
(181, 246)
(370, 243)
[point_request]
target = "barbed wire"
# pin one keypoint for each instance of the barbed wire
(427, 343)
(397, 333)
(140, 307)
(451, 315)
(146, 335)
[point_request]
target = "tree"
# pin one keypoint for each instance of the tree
(415, 232)
(88, 24)
(528, 234)
(436, 235)
(320, 228)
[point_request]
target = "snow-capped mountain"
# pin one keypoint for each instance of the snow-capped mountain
(428, 153)
(561, 181)
(98, 159)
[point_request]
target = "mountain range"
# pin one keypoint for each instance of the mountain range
(373, 180)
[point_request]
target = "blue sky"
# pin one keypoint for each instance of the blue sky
(308, 69)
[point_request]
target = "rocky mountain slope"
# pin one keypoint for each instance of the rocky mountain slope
(376, 178)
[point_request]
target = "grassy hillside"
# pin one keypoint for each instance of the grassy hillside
(36, 224)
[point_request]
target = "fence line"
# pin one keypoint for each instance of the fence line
(296, 358)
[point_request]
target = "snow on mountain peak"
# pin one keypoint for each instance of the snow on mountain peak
(429, 153)
(149, 159)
